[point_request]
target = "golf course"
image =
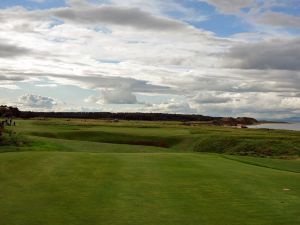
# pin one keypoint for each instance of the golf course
(89, 172)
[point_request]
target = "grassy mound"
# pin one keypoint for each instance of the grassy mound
(259, 146)
(111, 137)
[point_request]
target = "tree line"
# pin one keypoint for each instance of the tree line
(119, 116)
(10, 112)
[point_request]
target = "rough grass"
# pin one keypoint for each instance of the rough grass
(256, 142)
(171, 135)
(247, 145)
(110, 137)
(11, 138)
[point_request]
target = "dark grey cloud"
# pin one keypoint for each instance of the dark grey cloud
(11, 78)
(9, 50)
(115, 15)
(275, 54)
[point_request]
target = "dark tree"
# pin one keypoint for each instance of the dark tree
(9, 111)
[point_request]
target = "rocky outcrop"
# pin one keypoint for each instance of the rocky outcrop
(246, 120)
(230, 121)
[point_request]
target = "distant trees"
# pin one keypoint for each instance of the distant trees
(119, 116)
(9, 111)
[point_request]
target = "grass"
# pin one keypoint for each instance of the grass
(277, 164)
(108, 137)
(75, 172)
(171, 135)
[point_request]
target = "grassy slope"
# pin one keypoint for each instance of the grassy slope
(247, 141)
(170, 135)
(68, 183)
(88, 188)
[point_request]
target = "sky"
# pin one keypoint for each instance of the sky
(209, 57)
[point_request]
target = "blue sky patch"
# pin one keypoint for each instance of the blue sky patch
(31, 5)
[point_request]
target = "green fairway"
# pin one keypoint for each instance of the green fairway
(88, 173)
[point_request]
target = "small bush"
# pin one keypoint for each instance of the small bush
(10, 137)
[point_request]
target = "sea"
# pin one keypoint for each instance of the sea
(278, 126)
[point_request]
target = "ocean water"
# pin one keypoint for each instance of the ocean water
(278, 126)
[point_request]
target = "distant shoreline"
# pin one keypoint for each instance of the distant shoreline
(279, 122)
(277, 126)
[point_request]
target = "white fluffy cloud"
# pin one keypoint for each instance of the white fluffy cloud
(172, 106)
(37, 102)
(121, 96)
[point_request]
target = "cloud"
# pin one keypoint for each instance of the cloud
(10, 77)
(202, 73)
(9, 50)
(39, 1)
(37, 101)
(92, 99)
(260, 105)
(172, 106)
(116, 15)
(113, 96)
(279, 19)
(121, 96)
(275, 54)
(10, 86)
(259, 13)
(210, 98)
(232, 6)
(114, 82)
(77, 3)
